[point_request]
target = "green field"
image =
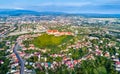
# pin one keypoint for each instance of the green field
(50, 41)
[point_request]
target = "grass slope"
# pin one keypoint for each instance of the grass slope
(50, 41)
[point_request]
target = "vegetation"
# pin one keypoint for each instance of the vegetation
(50, 41)
(98, 64)
(4, 67)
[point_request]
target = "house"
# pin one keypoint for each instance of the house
(52, 31)
(57, 33)
(117, 64)
(98, 52)
(107, 54)
(30, 72)
(1, 62)
(115, 59)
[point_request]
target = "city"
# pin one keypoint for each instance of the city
(34, 42)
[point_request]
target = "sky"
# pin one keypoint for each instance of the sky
(68, 6)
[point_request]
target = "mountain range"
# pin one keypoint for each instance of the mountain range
(17, 12)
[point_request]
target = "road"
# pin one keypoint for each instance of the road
(24, 32)
(7, 32)
(19, 58)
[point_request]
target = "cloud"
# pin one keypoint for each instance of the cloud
(65, 4)
(77, 6)
(19, 8)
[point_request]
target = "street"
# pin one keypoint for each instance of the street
(19, 58)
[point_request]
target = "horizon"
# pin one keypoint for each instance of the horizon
(12, 10)
(68, 6)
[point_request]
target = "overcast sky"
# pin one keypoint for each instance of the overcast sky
(69, 6)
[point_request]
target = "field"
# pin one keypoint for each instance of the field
(50, 41)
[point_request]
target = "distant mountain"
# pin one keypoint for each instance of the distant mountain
(15, 12)
(95, 15)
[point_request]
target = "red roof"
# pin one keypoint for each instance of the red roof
(118, 63)
(55, 30)
(61, 33)
(52, 30)
(49, 30)
(69, 32)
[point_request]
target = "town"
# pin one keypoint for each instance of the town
(49, 44)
